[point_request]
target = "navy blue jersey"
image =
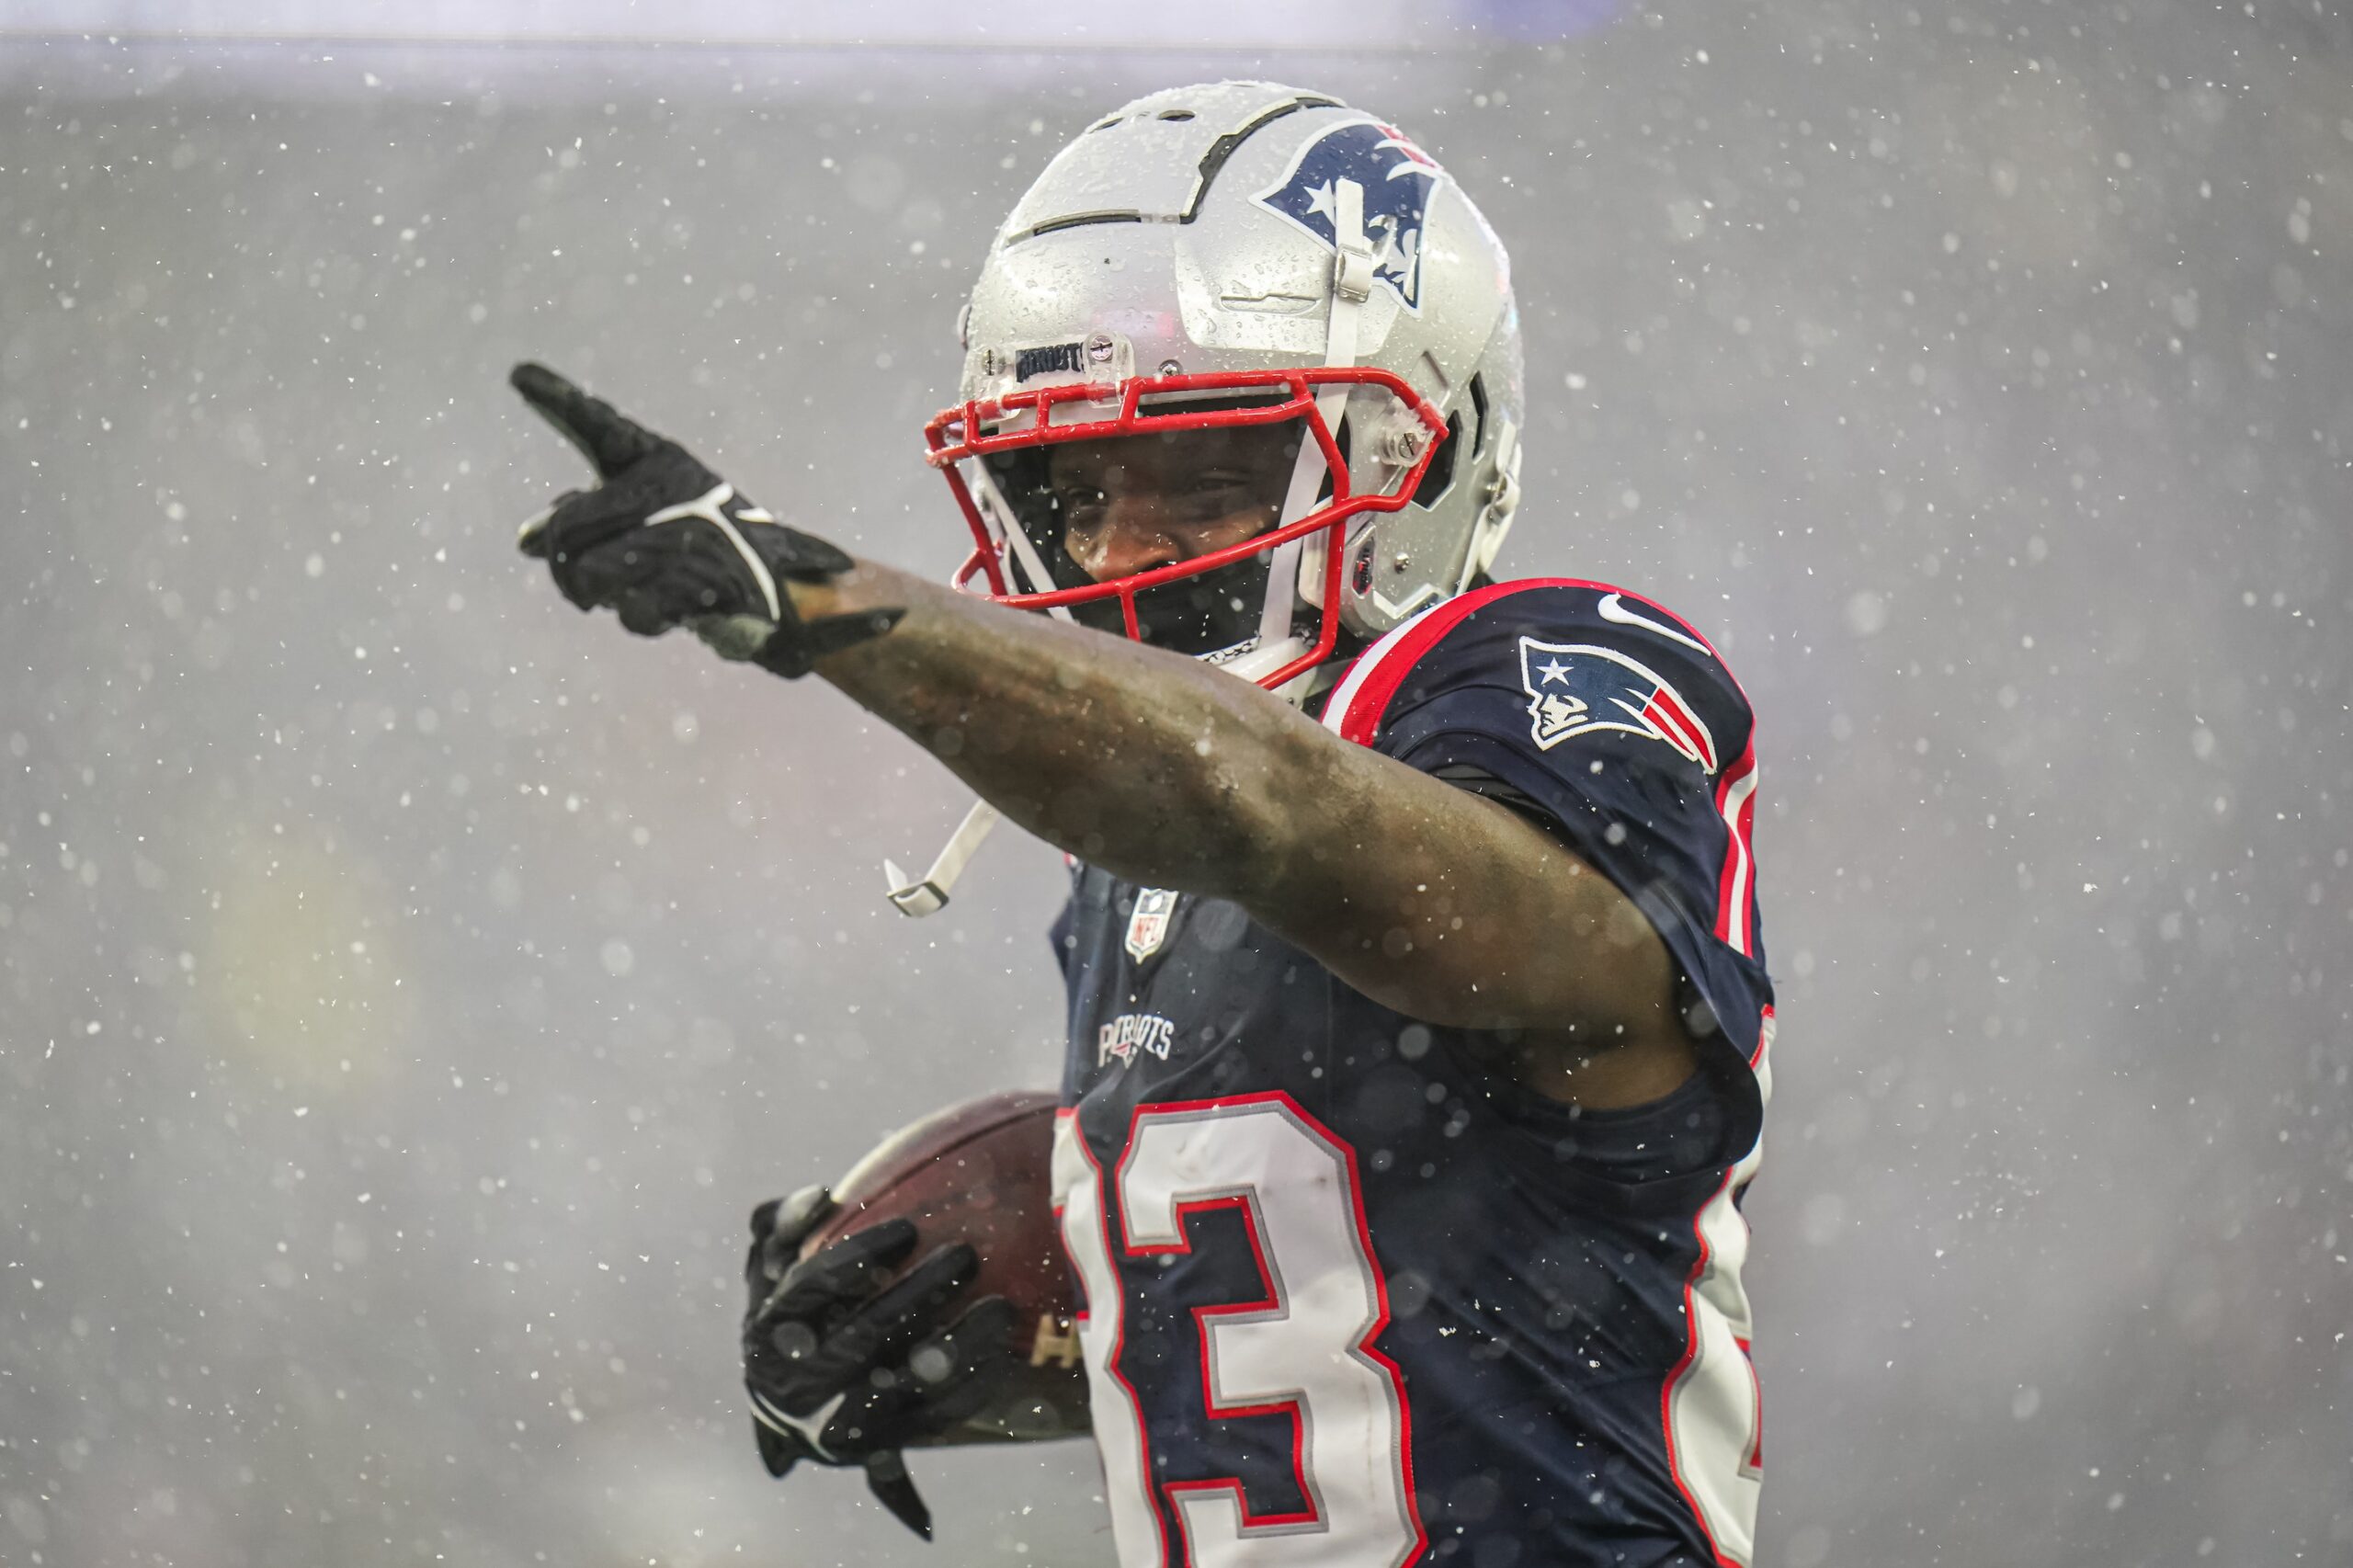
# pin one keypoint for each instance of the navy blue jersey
(1354, 1298)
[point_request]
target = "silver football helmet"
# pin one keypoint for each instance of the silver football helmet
(1231, 254)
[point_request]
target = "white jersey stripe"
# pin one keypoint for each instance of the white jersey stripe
(1366, 661)
(1734, 913)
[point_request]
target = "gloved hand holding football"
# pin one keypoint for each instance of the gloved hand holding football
(846, 1365)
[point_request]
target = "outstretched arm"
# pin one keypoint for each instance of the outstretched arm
(1444, 905)
(1171, 773)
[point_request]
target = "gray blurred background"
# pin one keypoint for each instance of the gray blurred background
(407, 985)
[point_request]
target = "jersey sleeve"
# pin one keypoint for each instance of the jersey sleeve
(1619, 726)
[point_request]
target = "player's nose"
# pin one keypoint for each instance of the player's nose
(1130, 541)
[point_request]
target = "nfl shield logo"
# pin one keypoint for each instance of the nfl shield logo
(1148, 926)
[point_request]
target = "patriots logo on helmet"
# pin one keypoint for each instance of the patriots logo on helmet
(1397, 179)
(1577, 687)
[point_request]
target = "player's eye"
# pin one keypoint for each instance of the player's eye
(1081, 504)
(1216, 497)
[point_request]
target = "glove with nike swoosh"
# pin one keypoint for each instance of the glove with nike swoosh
(664, 541)
(845, 1364)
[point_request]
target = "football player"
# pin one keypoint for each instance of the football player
(1418, 1010)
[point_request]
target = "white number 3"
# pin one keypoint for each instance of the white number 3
(1305, 1350)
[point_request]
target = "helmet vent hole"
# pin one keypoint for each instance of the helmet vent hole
(1197, 402)
(1479, 411)
(1439, 478)
(1176, 114)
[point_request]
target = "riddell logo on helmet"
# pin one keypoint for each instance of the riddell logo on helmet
(1052, 359)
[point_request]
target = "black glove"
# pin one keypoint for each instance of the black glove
(844, 1368)
(665, 542)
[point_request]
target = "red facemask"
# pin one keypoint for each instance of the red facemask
(1027, 421)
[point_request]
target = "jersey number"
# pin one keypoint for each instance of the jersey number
(1304, 1350)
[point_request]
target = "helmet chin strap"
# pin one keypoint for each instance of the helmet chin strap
(929, 895)
(1016, 537)
(1494, 517)
(1277, 644)
(1303, 560)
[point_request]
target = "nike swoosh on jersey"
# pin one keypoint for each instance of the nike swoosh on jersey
(1612, 609)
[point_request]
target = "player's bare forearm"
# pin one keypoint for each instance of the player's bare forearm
(1157, 768)
(1170, 773)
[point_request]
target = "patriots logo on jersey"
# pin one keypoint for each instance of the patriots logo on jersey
(1575, 689)
(1397, 179)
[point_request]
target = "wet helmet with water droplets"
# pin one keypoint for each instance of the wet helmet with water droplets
(1231, 257)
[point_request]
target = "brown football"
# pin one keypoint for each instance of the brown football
(978, 1172)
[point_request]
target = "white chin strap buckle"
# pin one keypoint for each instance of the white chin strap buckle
(929, 896)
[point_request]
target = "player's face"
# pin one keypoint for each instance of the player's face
(1134, 503)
